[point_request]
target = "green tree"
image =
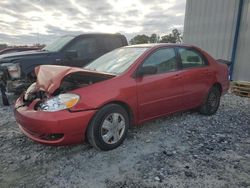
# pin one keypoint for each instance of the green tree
(174, 37)
(140, 39)
(154, 38)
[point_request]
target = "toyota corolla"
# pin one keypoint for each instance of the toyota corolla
(122, 88)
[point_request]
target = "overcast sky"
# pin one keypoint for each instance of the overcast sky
(33, 21)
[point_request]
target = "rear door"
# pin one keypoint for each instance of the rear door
(196, 76)
(162, 92)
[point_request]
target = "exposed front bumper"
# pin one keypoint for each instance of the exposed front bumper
(37, 125)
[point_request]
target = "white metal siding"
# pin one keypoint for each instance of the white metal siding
(242, 63)
(210, 24)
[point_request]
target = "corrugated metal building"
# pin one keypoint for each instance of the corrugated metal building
(222, 28)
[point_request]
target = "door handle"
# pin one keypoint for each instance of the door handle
(205, 72)
(177, 76)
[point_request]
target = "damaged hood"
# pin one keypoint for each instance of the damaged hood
(49, 77)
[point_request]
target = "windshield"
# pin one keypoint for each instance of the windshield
(58, 44)
(116, 61)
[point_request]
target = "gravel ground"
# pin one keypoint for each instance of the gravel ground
(182, 150)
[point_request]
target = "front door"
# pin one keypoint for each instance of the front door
(160, 93)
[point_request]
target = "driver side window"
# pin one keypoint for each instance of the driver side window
(164, 60)
(85, 48)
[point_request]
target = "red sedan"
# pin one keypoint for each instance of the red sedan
(122, 88)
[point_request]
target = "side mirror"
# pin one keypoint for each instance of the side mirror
(146, 71)
(71, 54)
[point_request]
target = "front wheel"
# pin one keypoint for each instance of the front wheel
(212, 102)
(108, 128)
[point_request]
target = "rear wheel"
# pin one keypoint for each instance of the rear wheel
(109, 127)
(212, 102)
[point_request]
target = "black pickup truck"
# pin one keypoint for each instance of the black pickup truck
(17, 69)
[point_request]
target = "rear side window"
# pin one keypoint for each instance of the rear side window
(86, 48)
(164, 60)
(112, 43)
(191, 58)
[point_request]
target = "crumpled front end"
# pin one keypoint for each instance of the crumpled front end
(59, 127)
(43, 111)
(51, 128)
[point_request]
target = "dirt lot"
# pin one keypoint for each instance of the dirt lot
(183, 150)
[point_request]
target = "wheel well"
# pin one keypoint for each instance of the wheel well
(218, 85)
(126, 107)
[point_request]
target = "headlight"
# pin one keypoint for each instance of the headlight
(14, 70)
(60, 102)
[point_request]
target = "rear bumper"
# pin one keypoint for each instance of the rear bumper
(38, 125)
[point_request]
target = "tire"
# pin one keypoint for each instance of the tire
(109, 127)
(212, 102)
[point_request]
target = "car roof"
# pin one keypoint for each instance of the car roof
(93, 34)
(152, 45)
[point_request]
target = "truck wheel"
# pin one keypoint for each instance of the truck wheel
(108, 128)
(212, 102)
